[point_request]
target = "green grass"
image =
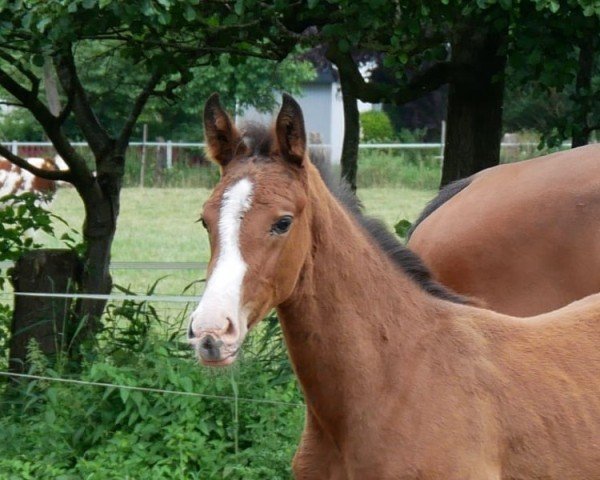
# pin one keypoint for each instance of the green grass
(411, 169)
(159, 225)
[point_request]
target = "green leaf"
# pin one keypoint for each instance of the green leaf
(43, 23)
(239, 7)
(189, 13)
(124, 393)
(402, 227)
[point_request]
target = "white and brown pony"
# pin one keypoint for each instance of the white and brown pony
(15, 180)
(402, 379)
(523, 237)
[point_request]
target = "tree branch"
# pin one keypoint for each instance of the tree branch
(135, 112)
(80, 173)
(12, 104)
(35, 82)
(421, 83)
(40, 172)
(95, 134)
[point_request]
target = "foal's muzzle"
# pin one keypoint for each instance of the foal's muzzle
(215, 347)
(209, 348)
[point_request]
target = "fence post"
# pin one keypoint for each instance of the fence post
(443, 142)
(169, 154)
(14, 148)
(143, 168)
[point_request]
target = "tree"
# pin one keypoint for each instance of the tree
(554, 80)
(159, 42)
(414, 44)
(251, 82)
(463, 44)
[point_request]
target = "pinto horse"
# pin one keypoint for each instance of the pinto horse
(402, 379)
(523, 237)
(15, 180)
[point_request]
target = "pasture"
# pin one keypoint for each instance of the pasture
(159, 225)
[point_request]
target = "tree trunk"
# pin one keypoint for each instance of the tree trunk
(46, 320)
(351, 134)
(102, 207)
(475, 100)
(583, 85)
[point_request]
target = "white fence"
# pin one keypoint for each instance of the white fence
(168, 147)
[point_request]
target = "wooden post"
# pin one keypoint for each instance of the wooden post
(46, 320)
(143, 169)
(161, 162)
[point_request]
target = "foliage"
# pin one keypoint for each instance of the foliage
(52, 430)
(552, 87)
(253, 82)
(24, 215)
(402, 227)
(21, 216)
(375, 126)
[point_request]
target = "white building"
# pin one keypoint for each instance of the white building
(321, 102)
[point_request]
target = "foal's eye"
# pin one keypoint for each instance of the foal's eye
(282, 225)
(203, 222)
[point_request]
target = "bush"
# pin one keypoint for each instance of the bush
(54, 430)
(375, 127)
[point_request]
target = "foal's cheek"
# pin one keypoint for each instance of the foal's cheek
(288, 269)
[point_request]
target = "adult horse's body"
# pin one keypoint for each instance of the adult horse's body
(522, 237)
(402, 380)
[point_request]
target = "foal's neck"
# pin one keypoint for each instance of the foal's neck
(352, 318)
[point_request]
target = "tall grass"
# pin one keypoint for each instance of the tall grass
(419, 170)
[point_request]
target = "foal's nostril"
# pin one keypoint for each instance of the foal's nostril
(190, 331)
(208, 343)
(209, 348)
(230, 327)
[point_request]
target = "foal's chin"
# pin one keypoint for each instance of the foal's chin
(224, 362)
(228, 358)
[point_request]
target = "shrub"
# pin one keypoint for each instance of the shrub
(375, 126)
(53, 430)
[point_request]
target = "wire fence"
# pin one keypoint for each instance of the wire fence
(176, 300)
(149, 389)
(194, 151)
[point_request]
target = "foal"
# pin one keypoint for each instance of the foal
(399, 382)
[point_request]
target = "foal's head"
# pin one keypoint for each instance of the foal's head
(257, 224)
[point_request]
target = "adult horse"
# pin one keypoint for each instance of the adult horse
(523, 237)
(402, 380)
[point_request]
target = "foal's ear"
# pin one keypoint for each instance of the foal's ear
(289, 129)
(223, 141)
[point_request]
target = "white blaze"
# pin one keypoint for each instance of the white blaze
(222, 296)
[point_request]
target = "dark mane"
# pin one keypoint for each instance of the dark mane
(442, 197)
(401, 255)
(259, 139)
